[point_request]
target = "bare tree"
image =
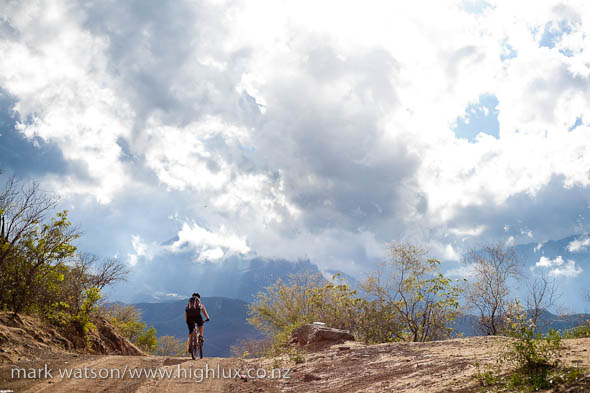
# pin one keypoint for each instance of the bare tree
(542, 294)
(85, 271)
(488, 291)
(108, 272)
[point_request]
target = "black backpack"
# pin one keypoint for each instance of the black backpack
(193, 308)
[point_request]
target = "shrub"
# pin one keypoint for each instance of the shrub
(147, 341)
(532, 358)
(530, 350)
(127, 320)
(83, 318)
(170, 346)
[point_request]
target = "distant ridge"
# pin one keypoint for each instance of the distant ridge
(465, 324)
(228, 323)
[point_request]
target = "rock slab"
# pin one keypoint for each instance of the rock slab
(317, 337)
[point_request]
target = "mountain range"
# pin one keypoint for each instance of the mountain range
(227, 326)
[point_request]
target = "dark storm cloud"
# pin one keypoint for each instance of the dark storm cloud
(159, 51)
(338, 166)
(554, 212)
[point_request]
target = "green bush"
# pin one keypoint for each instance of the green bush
(127, 320)
(533, 359)
(147, 341)
(530, 351)
(83, 318)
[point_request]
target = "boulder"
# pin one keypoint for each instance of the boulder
(317, 337)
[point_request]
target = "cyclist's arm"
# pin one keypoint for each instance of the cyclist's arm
(205, 312)
(186, 317)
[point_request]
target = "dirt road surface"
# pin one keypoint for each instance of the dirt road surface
(443, 366)
(141, 374)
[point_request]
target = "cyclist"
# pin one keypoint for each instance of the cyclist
(192, 316)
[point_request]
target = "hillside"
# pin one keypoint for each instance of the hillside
(227, 326)
(27, 338)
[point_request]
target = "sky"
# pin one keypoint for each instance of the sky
(213, 130)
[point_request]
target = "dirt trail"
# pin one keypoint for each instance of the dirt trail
(120, 374)
(439, 366)
(442, 366)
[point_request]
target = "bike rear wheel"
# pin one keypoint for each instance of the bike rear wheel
(200, 348)
(193, 347)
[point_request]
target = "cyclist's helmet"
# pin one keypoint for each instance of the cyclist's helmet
(194, 302)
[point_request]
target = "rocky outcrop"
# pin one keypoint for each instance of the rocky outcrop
(316, 337)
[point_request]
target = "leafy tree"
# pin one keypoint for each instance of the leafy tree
(22, 208)
(284, 304)
(409, 297)
(41, 254)
(336, 304)
(40, 271)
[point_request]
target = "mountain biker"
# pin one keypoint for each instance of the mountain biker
(192, 316)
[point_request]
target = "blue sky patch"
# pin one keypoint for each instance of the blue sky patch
(475, 6)
(480, 117)
(508, 51)
(576, 124)
(552, 33)
(20, 155)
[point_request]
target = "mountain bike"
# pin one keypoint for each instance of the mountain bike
(196, 343)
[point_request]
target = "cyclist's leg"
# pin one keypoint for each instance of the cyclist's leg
(200, 325)
(191, 329)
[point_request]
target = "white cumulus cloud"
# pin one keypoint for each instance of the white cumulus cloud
(558, 267)
(578, 245)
